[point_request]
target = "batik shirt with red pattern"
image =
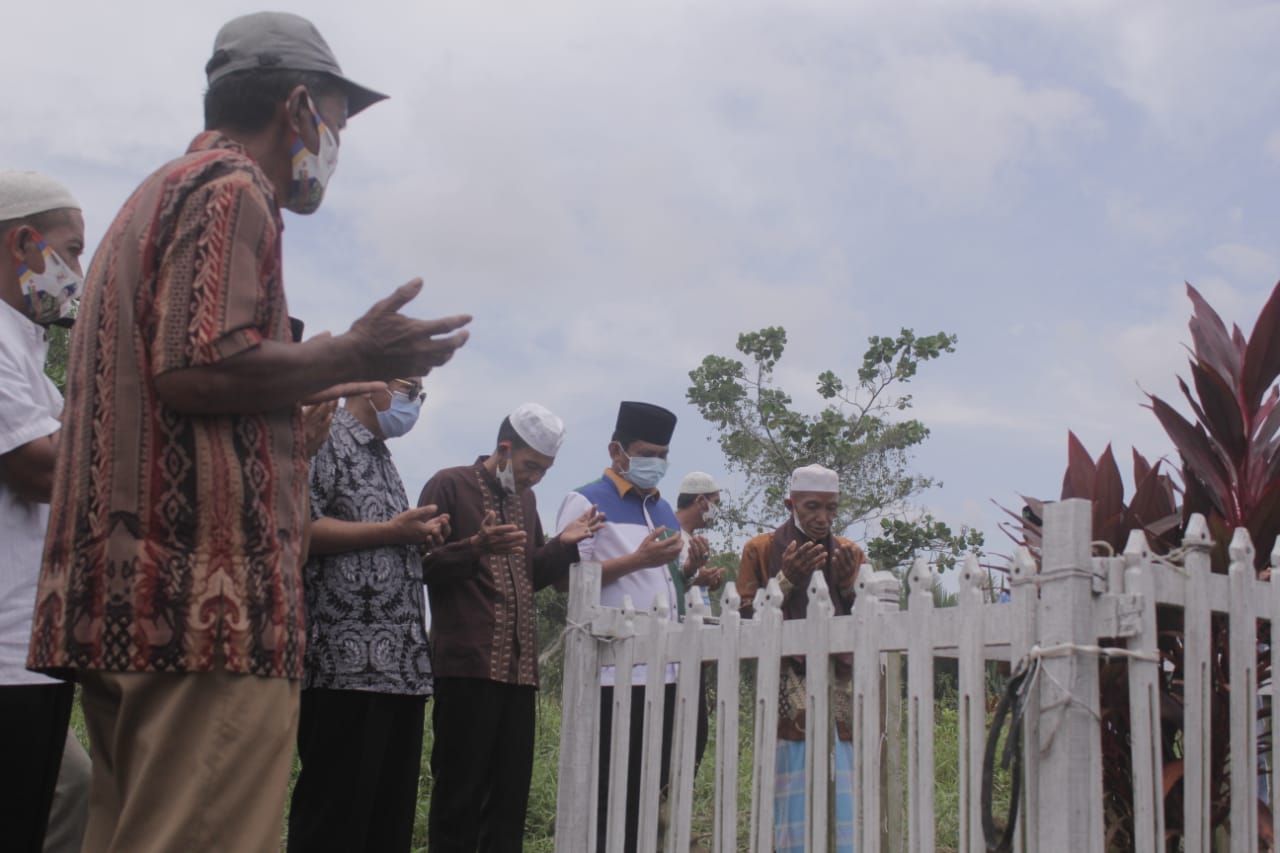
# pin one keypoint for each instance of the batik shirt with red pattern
(174, 538)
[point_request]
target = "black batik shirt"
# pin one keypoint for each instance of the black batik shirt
(364, 608)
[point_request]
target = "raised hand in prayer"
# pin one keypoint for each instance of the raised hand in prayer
(799, 561)
(699, 553)
(844, 568)
(495, 538)
(315, 425)
(582, 527)
(659, 548)
(420, 526)
(709, 576)
(389, 343)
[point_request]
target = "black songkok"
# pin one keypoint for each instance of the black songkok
(646, 422)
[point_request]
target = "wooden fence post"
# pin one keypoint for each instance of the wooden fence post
(1197, 622)
(877, 593)
(1066, 691)
(1024, 602)
(728, 672)
(575, 814)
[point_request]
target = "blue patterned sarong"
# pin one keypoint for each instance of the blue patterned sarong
(788, 798)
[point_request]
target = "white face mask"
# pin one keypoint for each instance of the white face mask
(713, 512)
(50, 295)
(507, 478)
(311, 172)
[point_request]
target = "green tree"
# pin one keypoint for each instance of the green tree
(859, 432)
(55, 365)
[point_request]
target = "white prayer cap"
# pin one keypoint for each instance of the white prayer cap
(539, 428)
(25, 194)
(698, 483)
(815, 478)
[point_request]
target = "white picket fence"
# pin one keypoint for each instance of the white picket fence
(1056, 616)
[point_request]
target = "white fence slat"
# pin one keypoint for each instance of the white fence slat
(1024, 603)
(1144, 705)
(893, 810)
(877, 592)
(1196, 704)
(768, 613)
(818, 748)
(972, 698)
(684, 736)
(724, 838)
(920, 828)
(1066, 692)
(619, 744)
(1243, 640)
(655, 689)
(575, 815)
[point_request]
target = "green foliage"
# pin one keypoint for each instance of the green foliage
(858, 433)
(55, 365)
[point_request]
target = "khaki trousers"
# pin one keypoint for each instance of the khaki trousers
(188, 762)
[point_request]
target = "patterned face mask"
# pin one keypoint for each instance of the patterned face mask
(311, 172)
(50, 295)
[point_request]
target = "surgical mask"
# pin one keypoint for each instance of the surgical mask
(507, 478)
(311, 172)
(399, 417)
(644, 472)
(713, 512)
(50, 295)
(796, 520)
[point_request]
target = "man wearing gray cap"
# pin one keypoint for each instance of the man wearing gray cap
(171, 581)
(41, 238)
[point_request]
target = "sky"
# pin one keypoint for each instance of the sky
(617, 190)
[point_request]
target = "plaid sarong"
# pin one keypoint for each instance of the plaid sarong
(788, 798)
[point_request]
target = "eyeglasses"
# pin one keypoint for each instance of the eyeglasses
(408, 390)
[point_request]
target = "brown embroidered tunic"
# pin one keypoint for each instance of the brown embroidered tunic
(483, 619)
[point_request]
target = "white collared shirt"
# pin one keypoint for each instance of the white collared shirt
(29, 408)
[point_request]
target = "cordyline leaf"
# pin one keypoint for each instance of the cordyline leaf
(1263, 523)
(1162, 526)
(1262, 357)
(1210, 339)
(1267, 419)
(1197, 454)
(1151, 498)
(1172, 776)
(1191, 399)
(1077, 482)
(1141, 467)
(1108, 501)
(1221, 409)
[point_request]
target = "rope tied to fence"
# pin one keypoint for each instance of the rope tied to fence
(571, 627)
(1013, 705)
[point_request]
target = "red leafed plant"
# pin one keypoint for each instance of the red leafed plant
(1230, 472)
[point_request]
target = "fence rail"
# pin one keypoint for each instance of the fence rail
(1058, 613)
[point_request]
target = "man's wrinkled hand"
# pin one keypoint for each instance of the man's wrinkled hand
(315, 425)
(699, 553)
(393, 344)
(800, 561)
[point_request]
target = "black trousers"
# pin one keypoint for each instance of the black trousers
(635, 756)
(33, 724)
(361, 755)
(482, 764)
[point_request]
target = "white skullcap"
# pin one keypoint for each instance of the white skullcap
(25, 194)
(539, 428)
(698, 483)
(815, 478)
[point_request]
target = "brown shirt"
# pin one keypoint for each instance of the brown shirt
(483, 617)
(175, 538)
(759, 564)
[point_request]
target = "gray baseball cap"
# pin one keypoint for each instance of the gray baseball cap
(280, 40)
